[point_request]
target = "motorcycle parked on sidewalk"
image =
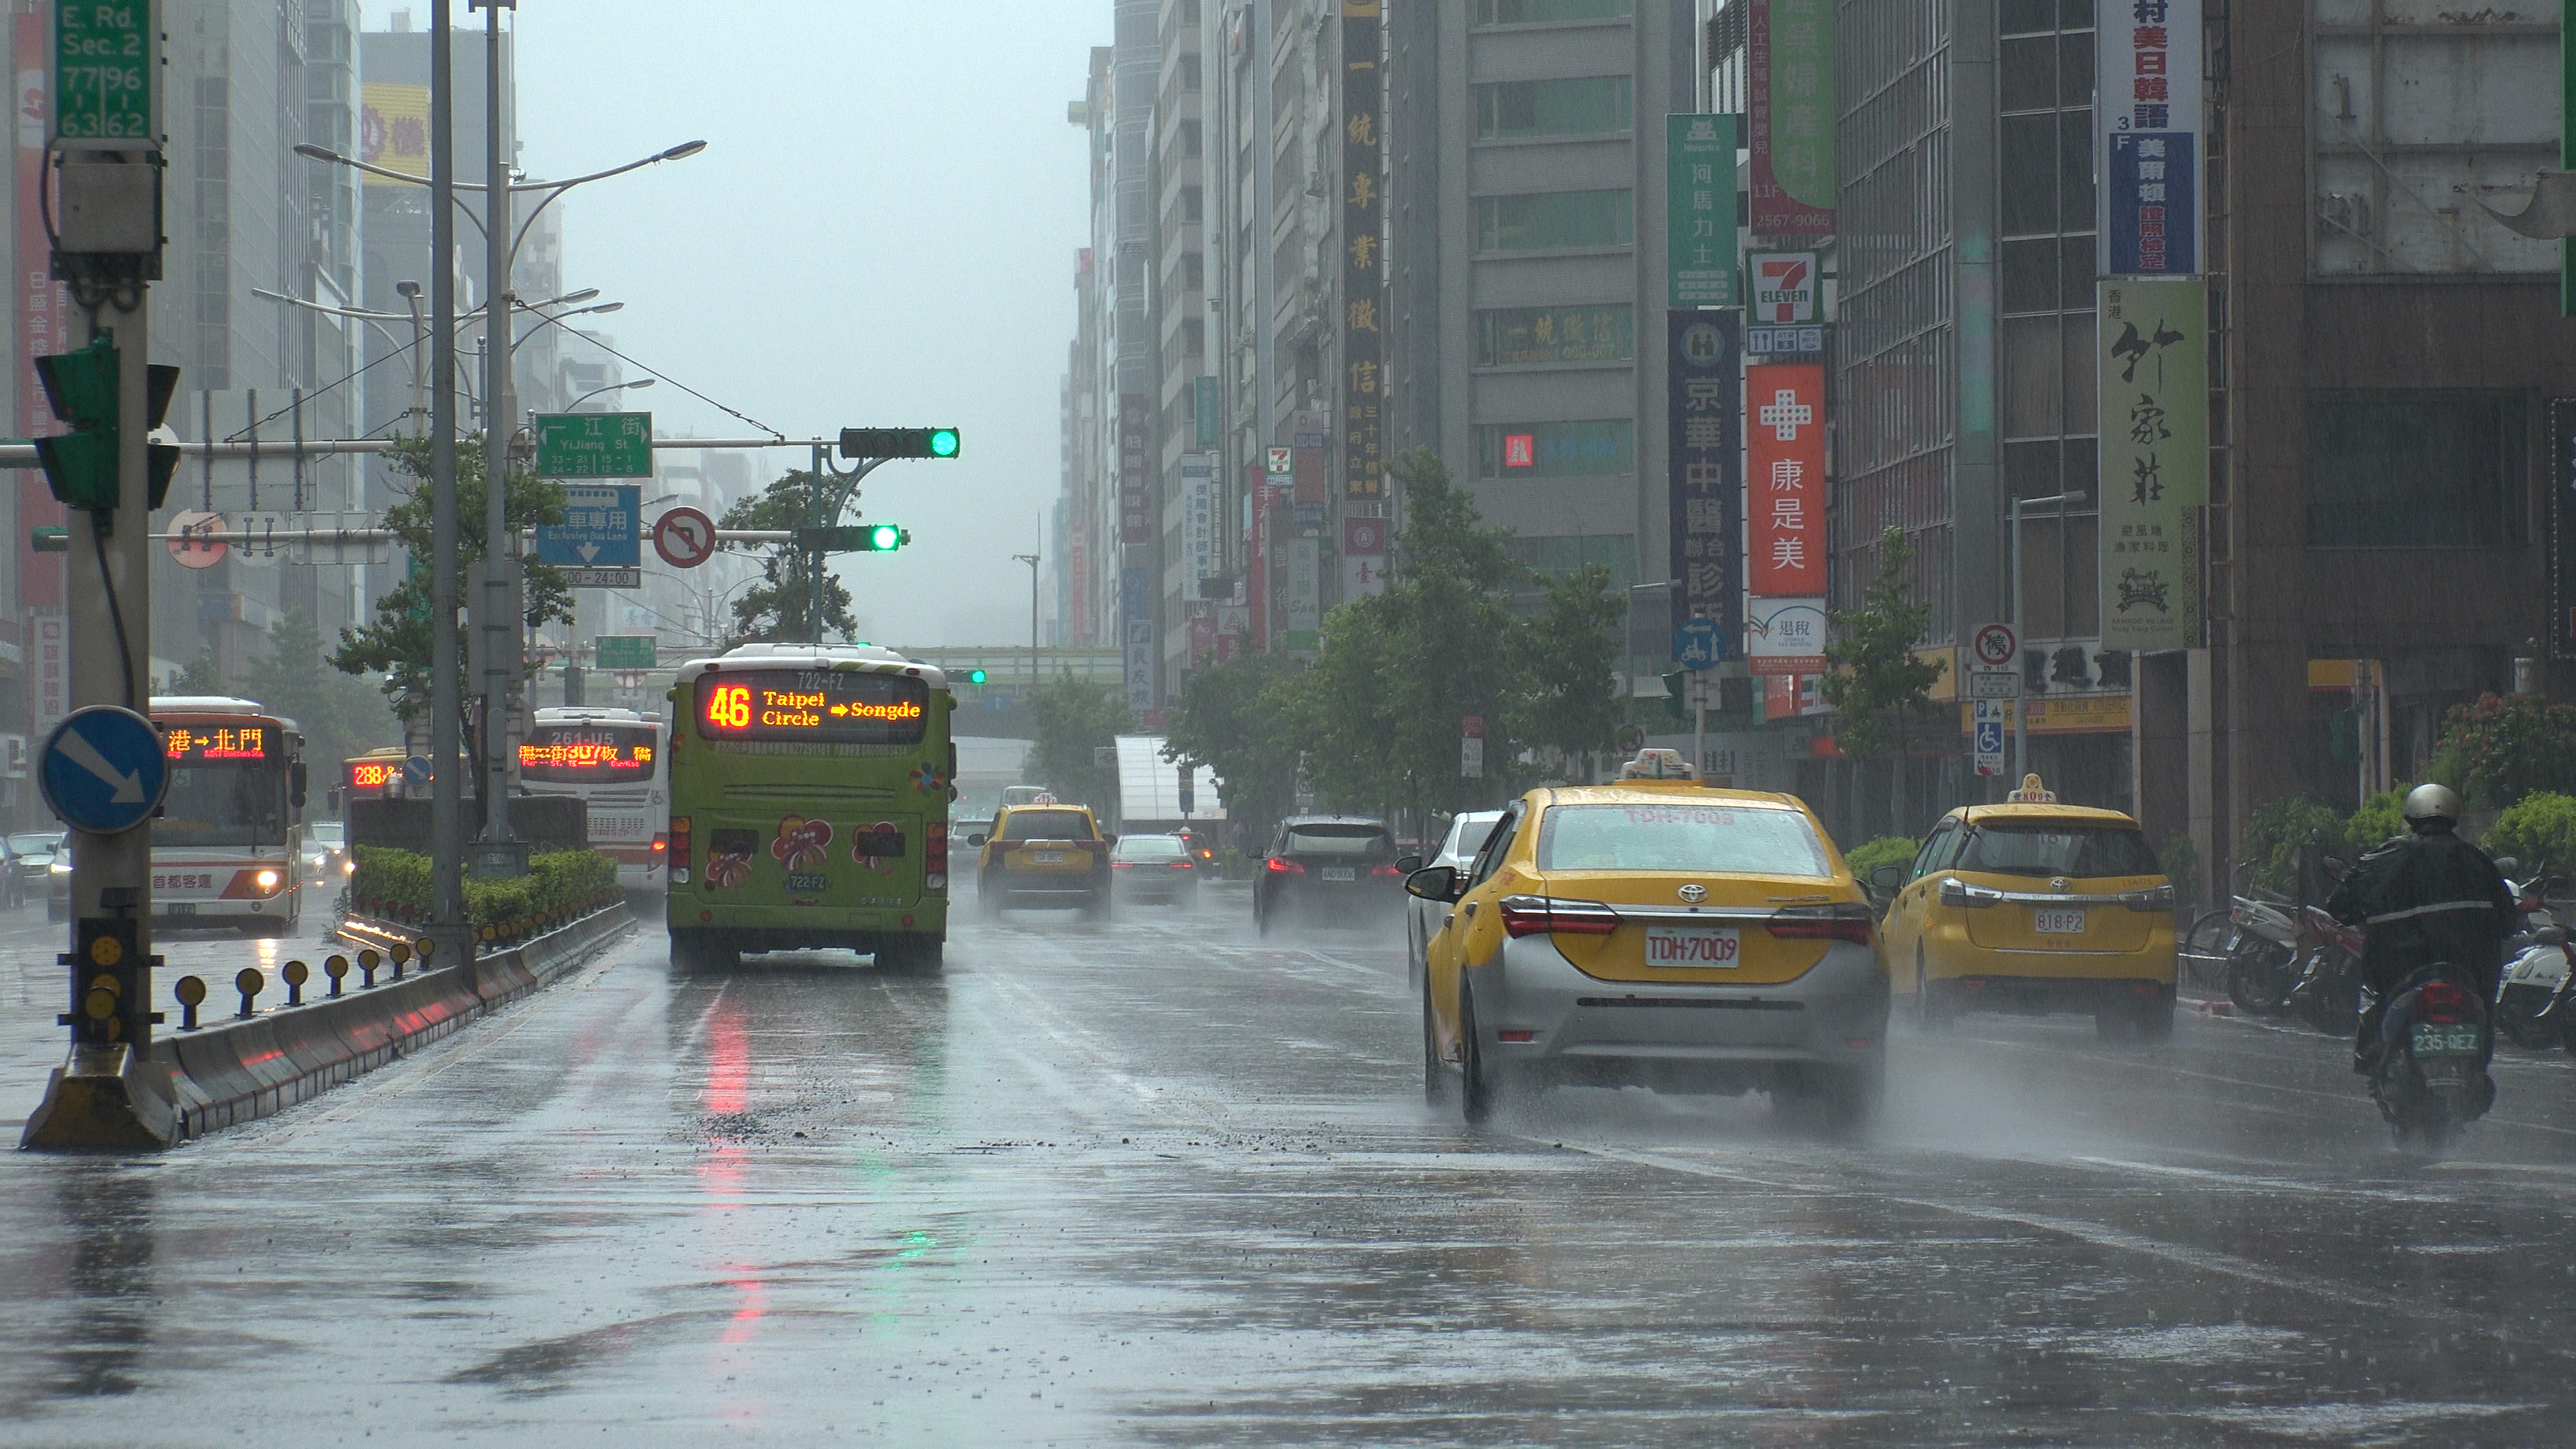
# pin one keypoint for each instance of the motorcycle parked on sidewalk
(2531, 993)
(2429, 1075)
(2262, 952)
(2327, 994)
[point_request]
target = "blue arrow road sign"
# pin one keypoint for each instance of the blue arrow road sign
(602, 529)
(104, 770)
(1696, 645)
(416, 769)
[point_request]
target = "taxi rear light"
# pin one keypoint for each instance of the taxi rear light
(1284, 867)
(1956, 892)
(1532, 915)
(2154, 898)
(1848, 921)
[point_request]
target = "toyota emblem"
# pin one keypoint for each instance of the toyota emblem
(2061, 885)
(1694, 893)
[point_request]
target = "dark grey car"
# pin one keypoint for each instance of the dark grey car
(1337, 869)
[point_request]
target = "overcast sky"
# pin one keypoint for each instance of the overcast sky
(881, 231)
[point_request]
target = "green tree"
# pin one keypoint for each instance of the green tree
(340, 715)
(1879, 686)
(1074, 717)
(1567, 699)
(1233, 719)
(397, 644)
(200, 676)
(781, 606)
(2506, 746)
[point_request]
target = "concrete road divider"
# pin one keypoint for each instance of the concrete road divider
(202, 1079)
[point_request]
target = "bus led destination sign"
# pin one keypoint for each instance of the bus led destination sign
(196, 742)
(826, 705)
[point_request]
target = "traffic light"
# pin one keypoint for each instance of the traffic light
(899, 443)
(974, 676)
(885, 538)
(863, 538)
(81, 465)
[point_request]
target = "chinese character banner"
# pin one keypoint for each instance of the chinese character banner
(1785, 472)
(1362, 232)
(1703, 408)
(1789, 60)
(2154, 367)
(1699, 210)
(2148, 84)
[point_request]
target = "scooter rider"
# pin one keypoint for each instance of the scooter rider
(2424, 897)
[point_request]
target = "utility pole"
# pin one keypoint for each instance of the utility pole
(1032, 561)
(446, 683)
(106, 127)
(2021, 629)
(494, 614)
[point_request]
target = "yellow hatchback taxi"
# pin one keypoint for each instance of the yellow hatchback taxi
(1655, 932)
(2033, 907)
(1043, 856)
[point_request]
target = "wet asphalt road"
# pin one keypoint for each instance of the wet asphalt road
(1156, 1181)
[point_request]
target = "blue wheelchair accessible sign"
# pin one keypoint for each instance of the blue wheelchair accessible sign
(1695, 645)
(104, 770)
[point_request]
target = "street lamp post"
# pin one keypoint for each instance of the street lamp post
(1032, 561)
(446, 688)
(2021, 707)
(575, 405)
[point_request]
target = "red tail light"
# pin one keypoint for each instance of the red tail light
(1180, 865)
(1386, 870)
(1849, 921)
(2444, 1001)
(1532, 915)
(679, 838)
(1284, 867)
(661, 844)
(1122, 865)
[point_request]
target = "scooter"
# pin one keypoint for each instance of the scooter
(2328, 992)
(2430, 1074)
(2532, 990)
(2262, 953)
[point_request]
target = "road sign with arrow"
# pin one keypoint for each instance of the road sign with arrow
(602, 529)
(104, 770)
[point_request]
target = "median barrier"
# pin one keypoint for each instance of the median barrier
(237, 1070)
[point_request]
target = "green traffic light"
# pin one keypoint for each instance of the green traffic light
(943, 442)
(974, 676)
(884, 537)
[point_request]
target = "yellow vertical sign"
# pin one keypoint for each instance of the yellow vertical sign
(2154, 390)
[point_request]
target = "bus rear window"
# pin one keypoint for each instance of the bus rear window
(830, 706)
(588, 755)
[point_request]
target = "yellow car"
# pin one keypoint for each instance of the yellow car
(1659, 933)
(1043, 856)
(2033, 908)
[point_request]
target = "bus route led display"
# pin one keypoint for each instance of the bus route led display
(830, 706)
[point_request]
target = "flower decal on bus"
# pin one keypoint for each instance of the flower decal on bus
(729, 858)
(878, 846)
(929, 779)
(802, 844)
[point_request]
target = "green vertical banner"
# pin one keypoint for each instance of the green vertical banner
(1789, 69)
(2154, 369)
(1699, 207)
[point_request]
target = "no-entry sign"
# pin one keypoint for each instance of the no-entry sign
(684, 537)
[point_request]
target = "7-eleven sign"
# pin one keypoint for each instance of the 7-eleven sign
(1784, 287)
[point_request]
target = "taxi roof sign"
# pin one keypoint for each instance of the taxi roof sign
(2032, 792)
(1657, 764)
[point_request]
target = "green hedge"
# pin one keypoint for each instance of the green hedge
(395, 885)
(2540, 829)
(1885, 850)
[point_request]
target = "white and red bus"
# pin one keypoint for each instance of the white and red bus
(228, 846)
(613, 760)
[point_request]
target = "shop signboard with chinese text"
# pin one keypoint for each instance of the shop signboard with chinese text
(1699, 207)
(1789, 66)
(1135, 479)
(1705, 486)
(1785, 461)
(2154, 368)
(1785, 636)
(1362, 231)
(2148, 80)
(1198, 520)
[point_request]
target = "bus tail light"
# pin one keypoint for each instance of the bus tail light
(679, 849)
(934, 852)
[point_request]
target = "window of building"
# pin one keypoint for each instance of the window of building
(1557, 557)
(1583, 106)
(1193, 203)
(1513, 336)
(1190, 138)
(1193, 272)
(2391, 469)
(1602, 448)
(1189, 69)
(1554, 221)
(1541, 12)
(1193, 337)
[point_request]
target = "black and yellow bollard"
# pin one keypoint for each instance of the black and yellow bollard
(424, 949)
(402, 955)
(192, 994)
(296, 975)
(249, 983)
(335, 966)
(367, 961)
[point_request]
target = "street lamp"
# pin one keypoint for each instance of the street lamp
(2021, 707)
(575, 405)
(1032, 561)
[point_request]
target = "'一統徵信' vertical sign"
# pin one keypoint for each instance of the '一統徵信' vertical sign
(2148, 87)
(1789, 66)
(1699, 210)
(1363, 235)
(2154, 364)
(1704, 408)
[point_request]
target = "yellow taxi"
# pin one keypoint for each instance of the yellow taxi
(2033, 906)
(1655, 932)
(1044, 855)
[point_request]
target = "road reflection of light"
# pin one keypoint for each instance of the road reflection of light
(728, 1064)
(754, 1296)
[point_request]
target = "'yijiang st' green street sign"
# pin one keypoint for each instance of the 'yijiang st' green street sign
(595, 445)
(104, 81)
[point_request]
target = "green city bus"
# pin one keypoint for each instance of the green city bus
(809, 805)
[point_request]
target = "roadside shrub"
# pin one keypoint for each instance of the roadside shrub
(2510, 745)
(2179, 859)
(2540, 828)
(2380, 816)
(1885, 850)
(2278, 828)
(397, 885)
